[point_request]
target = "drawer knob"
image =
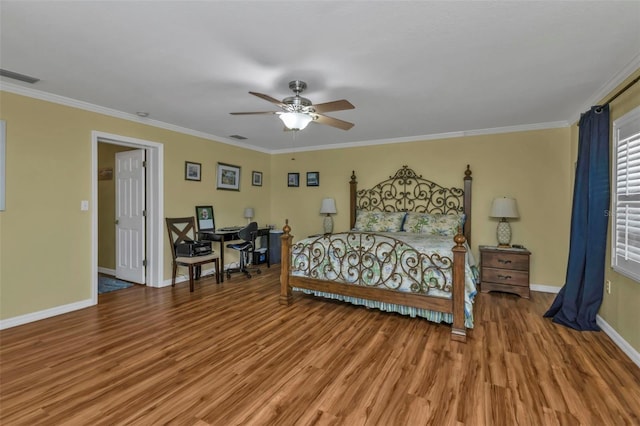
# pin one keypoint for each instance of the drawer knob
(504, 277)
(505, 261)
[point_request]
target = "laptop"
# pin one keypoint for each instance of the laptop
(206, 220)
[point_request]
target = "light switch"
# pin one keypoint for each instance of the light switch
(84, 205)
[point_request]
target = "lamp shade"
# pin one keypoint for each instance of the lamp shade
(328, 206)
(248, 213)
(295, 120)
(504, 207)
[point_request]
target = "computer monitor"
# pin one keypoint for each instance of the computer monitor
(205, 218)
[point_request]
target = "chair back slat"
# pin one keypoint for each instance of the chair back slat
(180, 229)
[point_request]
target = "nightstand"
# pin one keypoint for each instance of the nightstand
(504, 269)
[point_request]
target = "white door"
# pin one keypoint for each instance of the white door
(130, 216)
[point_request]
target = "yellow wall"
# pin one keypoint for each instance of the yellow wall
(46, 239)
(621, 308)
(529, 166)
(49, 166)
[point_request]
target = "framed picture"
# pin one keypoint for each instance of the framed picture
(192, 170)
(293, 179)
(228, 177)
(256, 178)
(204, 215)
(313, 178)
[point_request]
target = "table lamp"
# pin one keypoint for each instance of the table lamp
(248, 214)
(504, 208)
(328, 207)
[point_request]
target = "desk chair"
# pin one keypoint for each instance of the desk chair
(246, 248)
(184, 229)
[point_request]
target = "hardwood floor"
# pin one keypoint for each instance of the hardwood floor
(230, 354)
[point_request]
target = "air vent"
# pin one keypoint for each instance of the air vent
(18, 76)
(237, 137)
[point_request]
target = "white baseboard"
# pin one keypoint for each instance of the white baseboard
(544, 288)
(47, 313)
(608, 330)
(107, 271)
(619, 341)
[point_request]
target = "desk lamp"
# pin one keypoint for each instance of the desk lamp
(248, 214)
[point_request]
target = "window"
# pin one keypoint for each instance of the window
(625, 221)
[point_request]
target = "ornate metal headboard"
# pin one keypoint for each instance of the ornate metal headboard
(408, 191)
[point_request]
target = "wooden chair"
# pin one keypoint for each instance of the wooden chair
(183, 229)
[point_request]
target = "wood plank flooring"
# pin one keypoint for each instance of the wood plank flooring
(229, 354)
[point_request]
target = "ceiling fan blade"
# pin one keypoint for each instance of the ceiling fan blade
(340, 105)
(340, 124)
(268, 98)
(251, 113)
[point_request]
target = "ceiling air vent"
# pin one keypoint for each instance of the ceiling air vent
(18, 76)
(237, 137)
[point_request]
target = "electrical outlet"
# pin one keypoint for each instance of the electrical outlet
(608, 286)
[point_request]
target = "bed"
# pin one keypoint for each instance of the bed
(406, 252)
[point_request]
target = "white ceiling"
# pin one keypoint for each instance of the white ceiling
(413, 69)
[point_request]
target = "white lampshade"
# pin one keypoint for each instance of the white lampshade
(295, 120)
(328, 206)
(504, 208)
(248, 212)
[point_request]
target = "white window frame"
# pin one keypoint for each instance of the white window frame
(625, 254)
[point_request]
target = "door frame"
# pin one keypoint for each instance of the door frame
(154, 194)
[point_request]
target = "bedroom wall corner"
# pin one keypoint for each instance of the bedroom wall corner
(531, 166)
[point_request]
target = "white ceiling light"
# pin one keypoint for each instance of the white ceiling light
(295, 120)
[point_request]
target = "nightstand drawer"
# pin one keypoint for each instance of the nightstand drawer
(505, 276)
(506, 260)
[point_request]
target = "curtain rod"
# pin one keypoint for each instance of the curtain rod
(621, 91)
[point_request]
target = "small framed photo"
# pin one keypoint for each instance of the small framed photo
(192, 170)
(228, 177)
(204, 215)
(313, 178)
(256, 178)
(293, 179)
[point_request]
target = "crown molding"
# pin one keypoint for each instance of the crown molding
(615, 80)
(618, 78)
(422, 138)
(74, 103)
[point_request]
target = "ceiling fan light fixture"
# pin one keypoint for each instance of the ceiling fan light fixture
(295, 120)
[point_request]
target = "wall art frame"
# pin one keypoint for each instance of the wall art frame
(293, 179)
(313, 178)
(256, 178)
(228, 177)
(192, 171)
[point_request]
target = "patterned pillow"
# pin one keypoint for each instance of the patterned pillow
(445, 225)
(379, 221)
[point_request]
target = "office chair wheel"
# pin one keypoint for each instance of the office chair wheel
(258, 271)
(228, 275)
(248, 275)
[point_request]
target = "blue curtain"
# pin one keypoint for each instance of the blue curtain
(577, 303)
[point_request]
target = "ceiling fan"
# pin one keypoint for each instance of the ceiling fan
(297, 111)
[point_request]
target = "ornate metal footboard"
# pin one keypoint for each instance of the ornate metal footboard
(376, 267)
(371, 260)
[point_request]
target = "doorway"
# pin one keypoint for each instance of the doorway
(154, 206)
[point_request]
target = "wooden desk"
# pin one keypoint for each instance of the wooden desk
(223, 236)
